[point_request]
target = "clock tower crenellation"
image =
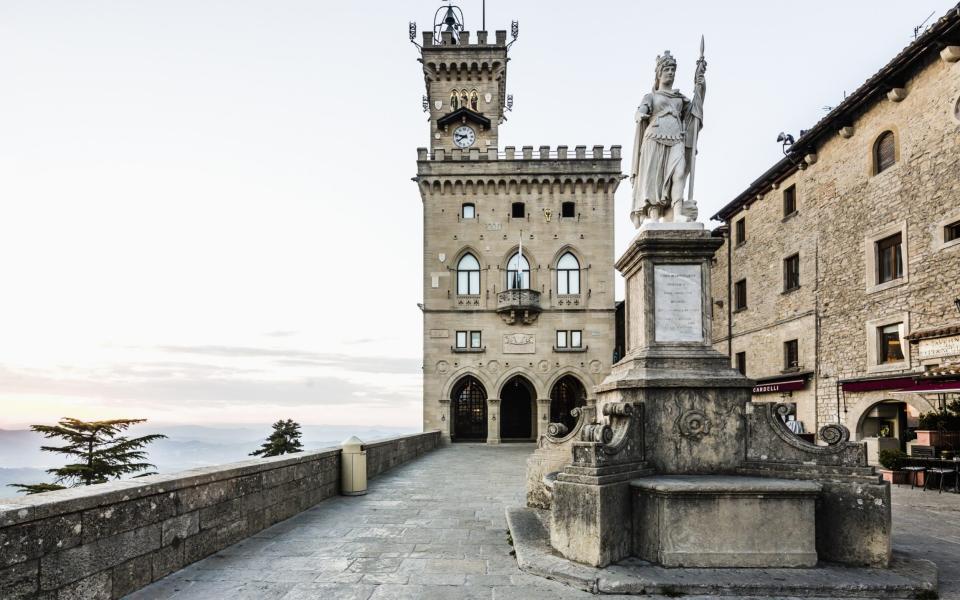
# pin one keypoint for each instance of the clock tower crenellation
(465, 81)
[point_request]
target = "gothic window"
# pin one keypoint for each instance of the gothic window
(884, 152)
(568, 274)
(454, 100)
(474, 100)
(518, 273)
(468, 276)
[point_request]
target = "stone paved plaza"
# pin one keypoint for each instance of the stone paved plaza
(435, 528)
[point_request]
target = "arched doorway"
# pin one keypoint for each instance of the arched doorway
(516, 409)
(886, 420)
(568, 393)
(469, 411)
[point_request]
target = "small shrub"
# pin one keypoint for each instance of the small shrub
(892, 459)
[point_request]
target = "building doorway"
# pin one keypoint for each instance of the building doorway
(516, 410)
(469, 414)
(567, 394)
(886, 421)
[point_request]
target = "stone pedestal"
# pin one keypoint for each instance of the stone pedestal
(694, 400)
(723, 521)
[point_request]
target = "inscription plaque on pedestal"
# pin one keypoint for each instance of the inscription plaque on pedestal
(678, 303)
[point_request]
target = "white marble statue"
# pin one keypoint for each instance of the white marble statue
(665, 147)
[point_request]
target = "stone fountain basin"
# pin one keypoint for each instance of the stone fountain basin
(724, 521)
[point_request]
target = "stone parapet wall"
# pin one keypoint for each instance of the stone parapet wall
(105, 541)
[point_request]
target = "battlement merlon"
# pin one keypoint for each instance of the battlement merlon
(596, 169)
(527, 153)
(446, 41)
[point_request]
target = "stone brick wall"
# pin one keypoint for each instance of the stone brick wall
(841, 202)
(108, 540)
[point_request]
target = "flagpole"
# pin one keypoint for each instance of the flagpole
(520, 262)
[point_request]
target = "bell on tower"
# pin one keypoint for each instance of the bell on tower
(451, 22)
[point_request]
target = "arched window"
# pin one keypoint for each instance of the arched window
(469, 210)
(568, 274)
(468, 276)
(884, 152)
(454, 100)
(518, 273)
(474, 100)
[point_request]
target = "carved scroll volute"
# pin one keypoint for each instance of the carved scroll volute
(557, 433)
(834, 434)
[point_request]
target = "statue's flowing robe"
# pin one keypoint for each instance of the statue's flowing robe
(663, 145)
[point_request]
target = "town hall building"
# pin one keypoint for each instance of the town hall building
(518, 252)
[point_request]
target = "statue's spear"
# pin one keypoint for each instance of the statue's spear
(696, 130)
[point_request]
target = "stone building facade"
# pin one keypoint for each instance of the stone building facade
(509, 343)
(839, 279)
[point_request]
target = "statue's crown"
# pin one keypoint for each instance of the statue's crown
(665, 59)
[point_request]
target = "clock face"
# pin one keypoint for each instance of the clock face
(464, 136)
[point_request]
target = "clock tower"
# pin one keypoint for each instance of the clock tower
(518, 282)
(466, 81)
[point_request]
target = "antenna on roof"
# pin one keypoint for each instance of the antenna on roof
(919, 28)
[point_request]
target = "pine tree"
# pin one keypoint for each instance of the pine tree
(285, 439)
(100, 453)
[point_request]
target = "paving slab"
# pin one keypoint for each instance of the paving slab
(442, 499)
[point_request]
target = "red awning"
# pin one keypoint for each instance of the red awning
(780, 386)
(872, 385)
(931, 387)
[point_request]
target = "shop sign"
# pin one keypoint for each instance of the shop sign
(940, 347)
(779, 386)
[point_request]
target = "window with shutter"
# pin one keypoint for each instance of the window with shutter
(885, 154)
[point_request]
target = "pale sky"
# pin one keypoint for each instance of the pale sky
(206, 213)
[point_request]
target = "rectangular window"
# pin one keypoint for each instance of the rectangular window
(576, 339)
(791, 272)
(890, 350)
(569, 339)
(790, 200)
(791, 354)
(741, 358)
(568, 210)
(468, 340)
(951, 232)
(890, 258)
(518, 210)
(469, 211)
(740, 295)
(741, 231)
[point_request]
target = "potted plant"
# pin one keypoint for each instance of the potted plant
(892, 461)
(940, 427)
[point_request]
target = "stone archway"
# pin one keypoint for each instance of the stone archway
(517, 409)
(565, 395)
(468, 411)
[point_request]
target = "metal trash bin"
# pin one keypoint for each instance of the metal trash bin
(353, 467)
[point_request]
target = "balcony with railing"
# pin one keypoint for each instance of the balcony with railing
(519, 305)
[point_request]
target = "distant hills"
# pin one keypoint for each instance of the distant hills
(187, 447)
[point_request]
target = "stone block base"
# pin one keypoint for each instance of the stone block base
(907, 577)
(724, 521)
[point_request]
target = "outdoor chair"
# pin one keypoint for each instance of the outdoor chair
(942, 472)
